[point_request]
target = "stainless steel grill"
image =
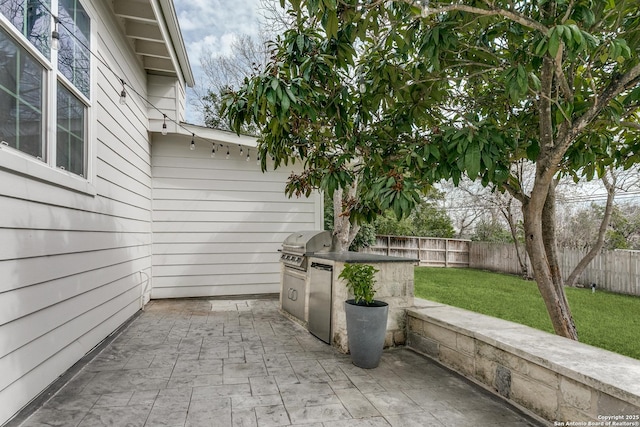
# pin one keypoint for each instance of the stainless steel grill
(296, 250)
(298, 246)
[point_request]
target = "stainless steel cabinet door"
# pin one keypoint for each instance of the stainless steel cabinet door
(321, 278)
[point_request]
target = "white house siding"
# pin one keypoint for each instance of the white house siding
(167, 94)
(218, 223)
(73, 263)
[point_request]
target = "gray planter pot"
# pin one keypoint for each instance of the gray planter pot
(366, 329)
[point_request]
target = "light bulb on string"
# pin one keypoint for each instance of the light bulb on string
(55, 35)
(248, 155)
(213, 150)
(193, 142)
(241, 150)
(123, 94)
(164, 125)
(258, 159)
(228, 153)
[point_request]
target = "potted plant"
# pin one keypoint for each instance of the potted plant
(366, 317)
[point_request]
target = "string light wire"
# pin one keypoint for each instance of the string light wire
(126, 87)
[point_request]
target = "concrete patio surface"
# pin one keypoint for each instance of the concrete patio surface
(201, 362)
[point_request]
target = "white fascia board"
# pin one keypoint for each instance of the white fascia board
(220, 136)
(174, 38)
(212, 135)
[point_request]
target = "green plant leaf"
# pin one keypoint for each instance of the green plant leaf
(472, 161)
(554, 42)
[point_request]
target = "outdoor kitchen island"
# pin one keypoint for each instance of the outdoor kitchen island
(325, 294)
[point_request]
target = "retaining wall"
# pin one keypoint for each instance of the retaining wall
(557, 379)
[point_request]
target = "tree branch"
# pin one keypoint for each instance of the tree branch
(617, 86)
(562, 79)
(515, 17)
(632, 125)
(584, 262)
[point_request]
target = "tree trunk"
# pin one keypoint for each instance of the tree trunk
(549, 233)
(538, 210)
(508, 214)
(597, 247)
(343, 230)
(544, 262)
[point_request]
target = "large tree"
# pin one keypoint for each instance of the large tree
(399, 94)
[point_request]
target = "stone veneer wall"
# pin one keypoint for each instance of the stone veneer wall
(562, 381)
(394, 285)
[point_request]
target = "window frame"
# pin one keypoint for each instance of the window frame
(46, 169)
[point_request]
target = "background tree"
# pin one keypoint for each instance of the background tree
(499, 214)
(364, 237)
(225, 72)
(578, 229)
(624, 232)
(491, 231)
(426, 220)
(247, 56)
(397, 95)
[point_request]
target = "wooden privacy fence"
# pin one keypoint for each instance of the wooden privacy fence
(431, 251)
(615, 271)
(498, 257)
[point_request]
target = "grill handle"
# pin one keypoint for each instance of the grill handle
(324, 267)
(293, 246)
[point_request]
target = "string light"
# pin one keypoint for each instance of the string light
(213, 150)
(241, 150)
(248, 154)
(193, 142)
(123, 94)
(228, 153)
(164, 124)
(258, 159)
(55, 35)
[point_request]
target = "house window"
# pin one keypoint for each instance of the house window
(73, 56)
(21, 96)
(45, 93)
(32, 19)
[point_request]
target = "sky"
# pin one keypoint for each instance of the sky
(210, 26)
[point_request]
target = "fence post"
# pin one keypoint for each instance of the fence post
(446, 253)
(388, 245)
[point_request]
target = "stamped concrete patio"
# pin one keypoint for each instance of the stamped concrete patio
(219, 363)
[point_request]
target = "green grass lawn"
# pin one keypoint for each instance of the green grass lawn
(603, 319)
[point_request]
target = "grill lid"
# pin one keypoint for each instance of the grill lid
(307, 242)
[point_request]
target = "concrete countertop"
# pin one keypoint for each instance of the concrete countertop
(360, 257)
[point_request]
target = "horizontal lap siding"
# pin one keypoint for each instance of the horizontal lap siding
(73, 265)
(218, 223)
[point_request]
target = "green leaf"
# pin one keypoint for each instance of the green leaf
(532, 151)
(290, 94)
(577, 34)
(535, 81)
(554, 42)
(285, 103)
(271, 96)
(331, 26)
(541, 48)
(472, 161)
(390, 182)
